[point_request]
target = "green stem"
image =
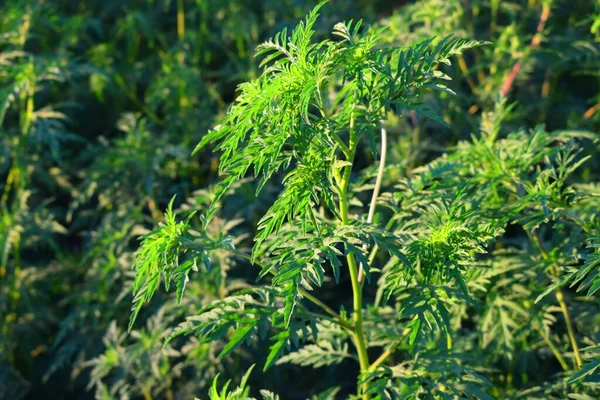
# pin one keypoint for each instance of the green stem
(359, 336)
(560, 298)
(389, 351)
(327, 309)
(340, 144)
(27, 113)
(376, 189)
(384, 356)
(180, 20)
(462, 64)
(565, 311)
(180, 28)
(9, 181)
(554, 349)
(372, 256)
(312, 314)
(26, 117)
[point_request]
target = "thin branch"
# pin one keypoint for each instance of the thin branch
(376, 189)
(555, 351)
(180, 28)
(373, 254)
(359, 336)
(340, 144)
(326, 308)
(555, 271)
(537, 39)
(384, 356)
(591, 111)
(388, 352)
(565, 311)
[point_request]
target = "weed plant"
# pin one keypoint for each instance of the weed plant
(355, 223)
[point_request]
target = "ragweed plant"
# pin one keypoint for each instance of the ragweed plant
(88, 93)
(478, 241)
(314, 107)
(427, 259)
(33, 133)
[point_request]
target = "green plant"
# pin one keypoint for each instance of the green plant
(313, 108)
(88, 94)
(33, 132)
(491, 218)
(308, 113)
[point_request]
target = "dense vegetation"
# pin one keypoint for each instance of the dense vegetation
(467, 265)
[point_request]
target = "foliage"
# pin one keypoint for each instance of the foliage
(443, 220)
(473, 272)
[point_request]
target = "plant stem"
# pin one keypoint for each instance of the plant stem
(312, 314)
(25, 118)
(341, 144)
(384, 356)
(373, 254)
(537, 38)
(180, 20)
(376, 189)
(326, 308)
(560, 298)
(359, 336)
(591, 111)
(27, 113)
(563, 307)
(180, 28)
(552, 347)
(9, 181)
(389, 351)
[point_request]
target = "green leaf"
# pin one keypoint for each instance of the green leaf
(276, 348)
(586, 369)
(240, 335)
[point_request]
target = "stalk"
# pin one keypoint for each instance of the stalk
(180, 20)
(591, 111)
(537, 39)
(376, 189)
(359, 336)
(180, 28)
(27, 112)
(132, 96)
(495, 4)
(565, 311)
(9, 181)
(559, 296)
(388, 352)
(555, 351)
(327, 309)
(561, 301)
(26, 116)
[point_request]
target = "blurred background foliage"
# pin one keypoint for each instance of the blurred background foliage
(101, 105)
